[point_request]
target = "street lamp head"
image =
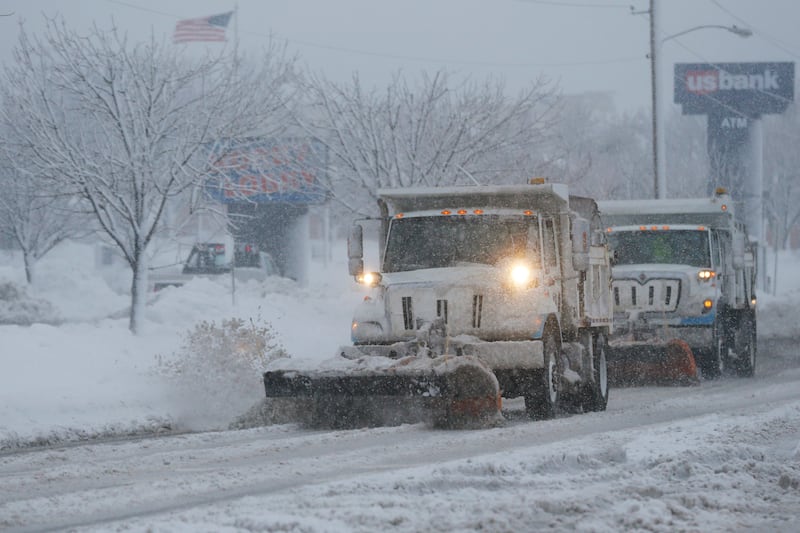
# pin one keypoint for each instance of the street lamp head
(741, 32)
(736, 30)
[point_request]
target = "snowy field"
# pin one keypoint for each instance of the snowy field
(732, 466)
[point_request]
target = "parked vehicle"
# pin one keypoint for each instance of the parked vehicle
(211, 259)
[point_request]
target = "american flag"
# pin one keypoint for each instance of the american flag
(202, 29)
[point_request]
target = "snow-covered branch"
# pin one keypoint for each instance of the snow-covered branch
(127, 127)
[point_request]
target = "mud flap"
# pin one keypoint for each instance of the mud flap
(670, 363)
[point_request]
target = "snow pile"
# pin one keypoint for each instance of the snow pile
(17, 307)
(777, 314)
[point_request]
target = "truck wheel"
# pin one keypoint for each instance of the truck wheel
(713, 360)
(595, 394)
(745, 343)
(543, 394)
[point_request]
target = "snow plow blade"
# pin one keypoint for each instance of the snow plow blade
(670, 363)
(446, 391)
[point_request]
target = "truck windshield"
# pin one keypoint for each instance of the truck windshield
(678, 247)
(442, 241)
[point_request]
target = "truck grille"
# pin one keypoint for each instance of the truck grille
(441, 310)
(652, 295)
(464, 310)
(477, 310)
(408, 313)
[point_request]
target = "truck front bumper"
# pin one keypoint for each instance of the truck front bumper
(646, 344)
(497, 355)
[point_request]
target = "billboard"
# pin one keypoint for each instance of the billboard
(264, 171)
(751, 89)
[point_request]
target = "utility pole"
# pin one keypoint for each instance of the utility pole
(659, 185)
(657, 189)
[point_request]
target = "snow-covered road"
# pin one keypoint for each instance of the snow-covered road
(722, 456)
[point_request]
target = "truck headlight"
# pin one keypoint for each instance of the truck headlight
(370, 279)
(522, 275)
(706, 275)
(365, 330)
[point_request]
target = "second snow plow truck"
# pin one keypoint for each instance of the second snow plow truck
(683, 289)
(484, 292)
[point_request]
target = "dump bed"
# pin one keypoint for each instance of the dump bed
(714, 212)
(546, 198)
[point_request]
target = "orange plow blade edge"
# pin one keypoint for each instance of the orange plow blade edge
(671, 363)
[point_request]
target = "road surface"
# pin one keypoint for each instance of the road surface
(723, 455)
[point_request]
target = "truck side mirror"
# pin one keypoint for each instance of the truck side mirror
(738, 251)
(580, 244)
(355, 250)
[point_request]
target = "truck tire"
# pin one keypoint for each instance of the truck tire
(713, 360)
(544, 393)
(595, 393)
(744, 340)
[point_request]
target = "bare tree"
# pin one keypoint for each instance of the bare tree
(687, 159)
(600, 152)
(129, 126)
(434, 133)
(782, 175)
(35, 218)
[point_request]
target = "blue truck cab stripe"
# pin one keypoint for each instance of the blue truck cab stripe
(702, 320)
(539, 332)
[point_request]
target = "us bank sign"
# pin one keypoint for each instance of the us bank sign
(734, 96)
(753, 89)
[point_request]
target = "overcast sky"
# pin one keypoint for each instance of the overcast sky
(584, 45)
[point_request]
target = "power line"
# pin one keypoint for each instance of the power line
(419, 59)
(423, 59)
(603, 5)
(777, 43)
(140, 8)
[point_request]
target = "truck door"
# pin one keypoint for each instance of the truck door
(725, 270)
(551, 260)
(715, 254)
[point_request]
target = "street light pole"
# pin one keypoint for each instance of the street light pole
(659, 139)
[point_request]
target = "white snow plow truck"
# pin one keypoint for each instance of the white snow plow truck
(484, 292)
(684, 271)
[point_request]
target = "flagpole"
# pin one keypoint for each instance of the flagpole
(236, 71)
(236, 24)
(236, 36)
